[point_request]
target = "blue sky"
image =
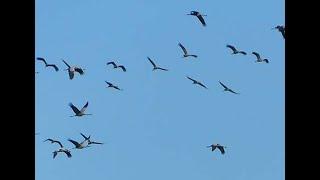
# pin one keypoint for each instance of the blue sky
(158, 127)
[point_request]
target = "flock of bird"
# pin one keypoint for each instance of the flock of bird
(74, 69)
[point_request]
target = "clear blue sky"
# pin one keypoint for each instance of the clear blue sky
(158, 127)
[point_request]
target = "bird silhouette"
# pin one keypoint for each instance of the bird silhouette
(48, 65)
(199, 16)
(197, 82)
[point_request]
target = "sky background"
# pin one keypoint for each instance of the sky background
(158, 127)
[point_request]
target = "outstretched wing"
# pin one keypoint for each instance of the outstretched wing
(153, 64)
(74, 108)
(109, 83)
(242, 52)
(192, 79)
(54, 66)
(55, 154)
(42, 59)
(85, 137)
(223, 85)
(256, 54)
(232, 48)
(74, 142)
(71, 74)
(162, 69)
(68, 154)
(202, 85)
(79, 70)
(66, 63)
(123, 68)
(93, 142)
(221, 149)
(282, 32)
(84, 107)
(183, 48)
(114, 64)
(233, 91)
(201, 20)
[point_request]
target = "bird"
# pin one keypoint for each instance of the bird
(155, 67)
(220, 147)
(197, 82)
(259, 58)
(116, 66)
(83, 144)
(73, 69)
(199, 16)
(185, 52)
(110, 85)
(88, 139)
(235, 51)
(281, 29)
(61, 149)
(76, 110)
(227, 89)
(48, 65)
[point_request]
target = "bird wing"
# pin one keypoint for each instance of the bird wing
(232, 48)
(110, 84)
(256, 54)
(223, 85)
(213, 148)
(233, 91)
(42, 59)
(202, 85)
(48, 140)
(86, 138)
(54, 66)
(242, 52)
(84, 107)
(192, 79)
(55, 154)
(183, 48)
(66, 63)
(201, 20)
(153, 64)
(116, 87)
(113, 63)
(162, 69)
(221, 149)
(68, 153)
(58, 143)
(74, 142)
(74, 108)
(71, 74)
(123, 68)
(193, 55)
(282, 32)
(79, 70)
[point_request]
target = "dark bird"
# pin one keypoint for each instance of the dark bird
(81, 145)
(110, 85)
(116, 66)
(227, 89)
(259, 59)
(235, 51)
(155, 67)
(186, 52)
(197, 82)
(214, 146)
(88, 139)
(76, 110)
(62, 149)
(280, 29)
(48, 65)
(54, 141)
(73, 69)
(199, 16)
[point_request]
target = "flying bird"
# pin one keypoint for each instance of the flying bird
(77, 111)
(61, 149)
(81, 145)
(186, 52)
(214, 146)
(48, 65)
(259, 59)
(280, 29)
(88, 139)
(73, 69)
(110, 85)
(235, 51)
(116, 66)
(227, 89)
(199, 16)
(155, 67)
(197, 82)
